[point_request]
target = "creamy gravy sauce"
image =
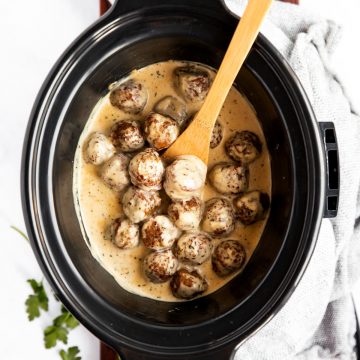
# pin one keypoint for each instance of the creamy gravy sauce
(97, 205)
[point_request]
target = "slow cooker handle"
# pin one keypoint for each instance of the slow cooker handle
(226, 353)
(332, 186)
(122, 7)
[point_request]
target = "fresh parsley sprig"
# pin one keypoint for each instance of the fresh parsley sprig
(59, 329)
(70, 354)
(36, 301)
(67, 318)
(53, 334)
(61, 325)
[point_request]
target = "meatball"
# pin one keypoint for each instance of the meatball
(218, 217)
(217, 135)
(192, 83)
(160, 131)
(98, 149)
(173, 107)
(159, 266)
(159, 233)
(139, 204)
(130, 96)
(126, 136)
(185, 177)
(229, 178)
(194, 248)
(146, 170)
(228, 257)
(187, 284)
(114, 172)
(251, 207)
(244, 146)
(186, 214)
(124, 233)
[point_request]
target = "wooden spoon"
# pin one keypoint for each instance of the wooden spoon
(196, 138)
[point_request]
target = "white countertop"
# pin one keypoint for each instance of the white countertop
(33, 34)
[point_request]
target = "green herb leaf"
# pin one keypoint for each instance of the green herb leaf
(53, 334)
(70, 354)
(72, 322)
(59, 330)
(36, 301)
(66, 319)
(60, 320)
(32, 307)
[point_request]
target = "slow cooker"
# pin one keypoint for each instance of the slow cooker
(305, 178)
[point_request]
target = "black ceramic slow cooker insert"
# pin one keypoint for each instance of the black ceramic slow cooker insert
(134, 34)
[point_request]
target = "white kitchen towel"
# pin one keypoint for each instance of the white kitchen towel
(318, 320)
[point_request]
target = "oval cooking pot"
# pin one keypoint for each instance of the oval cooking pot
(132, 35)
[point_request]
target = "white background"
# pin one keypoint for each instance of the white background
(33, 34)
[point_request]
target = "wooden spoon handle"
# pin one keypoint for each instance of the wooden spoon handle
(189, 142)
(240, 45)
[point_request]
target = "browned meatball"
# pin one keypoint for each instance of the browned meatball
(218, 217)
(244, 146)
(159, 233)
(126, 136)
(98, 149)
(194, 248)
(187, 284)
(130, 96)
(160, 131)
(186, 214)
(159, 266)
(228, 257)
(185, 177)
(146, 170)
(217, 135)
(173, 107)
(115, 172)
(251, 207)
(229, 178)
(139, 205)
(192, 83)
(124, 233)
